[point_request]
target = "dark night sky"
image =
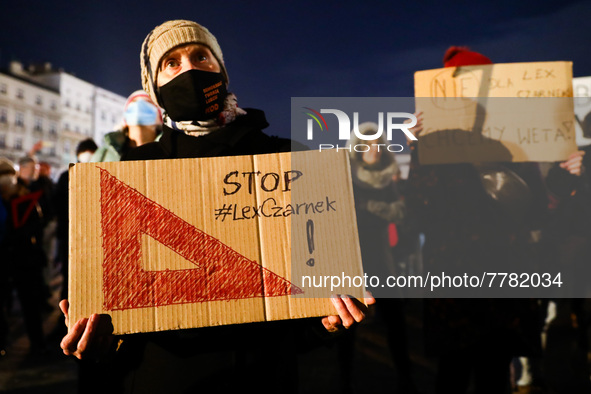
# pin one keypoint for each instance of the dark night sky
(277, 50)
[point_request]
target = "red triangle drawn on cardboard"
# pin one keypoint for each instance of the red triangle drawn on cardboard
(221, 273)
(32, 199)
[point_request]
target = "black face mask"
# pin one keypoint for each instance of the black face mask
(193, 95)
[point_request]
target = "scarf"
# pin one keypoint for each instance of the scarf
(376, 176)
(198, 128)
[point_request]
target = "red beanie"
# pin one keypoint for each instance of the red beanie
(463, 56)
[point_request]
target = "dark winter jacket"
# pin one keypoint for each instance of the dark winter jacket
(378, 205)
(22, 249)
(115, 145)
(572, 212)
(468, 230)
(244, 136)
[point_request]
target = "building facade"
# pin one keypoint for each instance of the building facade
(29, 113)
(108, 113)
(57, 109)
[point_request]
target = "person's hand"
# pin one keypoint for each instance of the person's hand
(574, 163)
(89, 337)
(36, 148)
(416, 129)
(350, 310)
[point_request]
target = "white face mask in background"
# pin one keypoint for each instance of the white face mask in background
(84, 157)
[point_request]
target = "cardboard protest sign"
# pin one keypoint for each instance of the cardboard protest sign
(501, 112)
(171, 244)
(582, 93)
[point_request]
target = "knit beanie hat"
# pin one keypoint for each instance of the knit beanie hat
(170, 35)
(463, 56)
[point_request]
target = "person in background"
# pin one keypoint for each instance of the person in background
(31, 176)
(7, 173)
(475, 339)
(42, 181)
(179, 60)
(23, 257)
(47, 186)
(379, 206)
(28, 170)
(142, 122)
(45, 183)
(7, 186)
(84, 151)
(567, 247)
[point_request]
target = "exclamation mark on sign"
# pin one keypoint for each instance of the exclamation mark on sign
(310, 236)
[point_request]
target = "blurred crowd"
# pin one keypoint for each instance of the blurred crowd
(34, 219)
(507, 217)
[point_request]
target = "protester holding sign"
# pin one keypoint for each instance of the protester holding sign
(475, 216)
(514, 112)
(183, 70)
